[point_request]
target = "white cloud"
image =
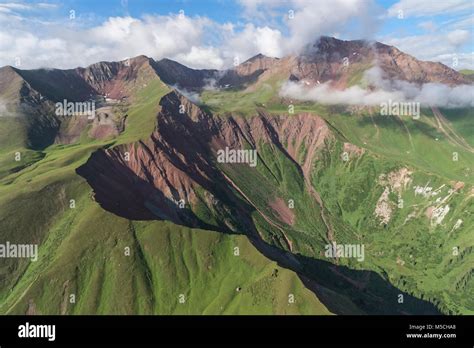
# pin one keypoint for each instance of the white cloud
(428, 94)
(458, 37)
(117, 38)
(155, 36)
(457, 61)
(201, 58)
(464, 22)
(251, 41)
(12, 6)
(176, 37)
(325, 94)
(428, 26)
(311, 19)
(437, 47)
(308, 21)
(420, 8)
(199, 42)
(193, 96)
(15, 10)
(45, 5)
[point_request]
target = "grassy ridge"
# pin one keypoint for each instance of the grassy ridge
(85, 255)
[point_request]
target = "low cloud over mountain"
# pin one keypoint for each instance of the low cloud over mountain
(427, 94)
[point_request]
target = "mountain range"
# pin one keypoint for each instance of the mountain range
(134, 213)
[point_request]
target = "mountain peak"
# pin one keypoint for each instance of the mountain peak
(255, 65)
(128, 62)
(140, 58)
(258, 56)
(8, 68)
(332, 59)
(174, 73)
(10, 82)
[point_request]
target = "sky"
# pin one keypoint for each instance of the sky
(218, 33)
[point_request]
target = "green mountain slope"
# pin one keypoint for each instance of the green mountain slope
(82, 249)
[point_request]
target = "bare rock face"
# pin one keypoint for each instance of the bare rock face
(10, 83)
(249, 71)
(175, 170)
(402, 66)
(119, 79)
(258, 62)
(335, 60)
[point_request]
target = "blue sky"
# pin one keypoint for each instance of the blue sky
(213, 33)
